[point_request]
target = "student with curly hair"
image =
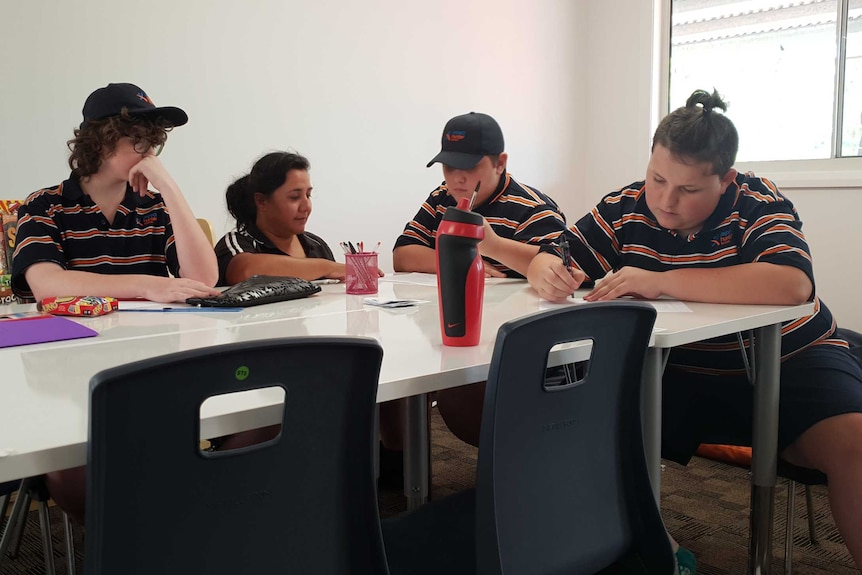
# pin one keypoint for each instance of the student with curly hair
(104, 232)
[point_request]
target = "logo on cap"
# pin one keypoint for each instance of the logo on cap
(455, 135)
(142, 96)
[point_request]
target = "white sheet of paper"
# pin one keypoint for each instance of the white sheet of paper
(669, 305)
(145, 304)
(660, 305)
(414, 278)
(422, 279)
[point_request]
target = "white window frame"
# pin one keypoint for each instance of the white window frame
(789, 174)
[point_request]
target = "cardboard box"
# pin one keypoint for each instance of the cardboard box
(9, 226)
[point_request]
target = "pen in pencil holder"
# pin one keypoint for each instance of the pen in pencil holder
(350, 248)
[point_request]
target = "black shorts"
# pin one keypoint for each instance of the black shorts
(821, 382)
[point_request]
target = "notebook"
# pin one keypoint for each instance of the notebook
(28, 328)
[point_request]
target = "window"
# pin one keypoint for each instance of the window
(774, 62)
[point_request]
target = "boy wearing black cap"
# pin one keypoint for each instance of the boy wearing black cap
(520, 217)
(102, 231)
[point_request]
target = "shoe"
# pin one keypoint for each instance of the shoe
(391, 469)
(686, 564)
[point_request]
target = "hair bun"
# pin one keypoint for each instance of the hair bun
(708, 101)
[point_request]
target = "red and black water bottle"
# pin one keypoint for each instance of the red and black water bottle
(460, 275)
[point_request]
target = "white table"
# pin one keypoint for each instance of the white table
(45, 386)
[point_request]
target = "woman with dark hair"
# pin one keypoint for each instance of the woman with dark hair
(271, 206)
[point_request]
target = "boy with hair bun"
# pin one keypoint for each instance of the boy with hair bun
(697, 230)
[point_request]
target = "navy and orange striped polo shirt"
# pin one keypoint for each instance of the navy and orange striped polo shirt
(753, 222)
(515, 211)
(64, 226)
(253, 241)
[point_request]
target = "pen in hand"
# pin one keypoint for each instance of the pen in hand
(475, 193)
(566, 255)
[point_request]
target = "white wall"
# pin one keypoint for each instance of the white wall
(363, 89)
(834, 247)
(619, 83)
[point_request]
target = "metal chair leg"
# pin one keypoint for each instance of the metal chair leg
(12, 523)
(788, 535)
(47, 547)
(4, 506)
(809, 506)
(20, 521)
(27, 491)
(70, 545)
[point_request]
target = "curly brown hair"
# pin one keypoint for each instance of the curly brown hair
(97, 139)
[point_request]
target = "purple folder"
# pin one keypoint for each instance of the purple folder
(39, 329)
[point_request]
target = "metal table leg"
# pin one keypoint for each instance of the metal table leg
(417, 450)
(767, 354)
(651, 415)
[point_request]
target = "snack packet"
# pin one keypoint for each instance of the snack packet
(88, 306)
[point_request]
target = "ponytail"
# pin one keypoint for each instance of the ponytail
(240, 203)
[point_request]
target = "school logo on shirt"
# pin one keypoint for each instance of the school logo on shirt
(143, 96)
(455, 135)
(147, 220)
(722, 239)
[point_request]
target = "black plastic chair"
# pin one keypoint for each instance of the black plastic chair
(304, 502)
(562, 483)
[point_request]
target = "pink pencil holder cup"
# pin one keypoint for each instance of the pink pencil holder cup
(361, 273)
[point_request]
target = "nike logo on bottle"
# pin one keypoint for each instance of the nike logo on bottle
(451, 325)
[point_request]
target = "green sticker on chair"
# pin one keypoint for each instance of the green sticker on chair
(241, 372)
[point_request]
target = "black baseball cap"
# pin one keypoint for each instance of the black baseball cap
(467, 139)
(110, 101)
